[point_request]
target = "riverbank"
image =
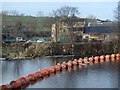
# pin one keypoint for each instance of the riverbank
(22, 51)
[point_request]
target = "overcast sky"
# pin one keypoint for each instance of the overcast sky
(102, 10)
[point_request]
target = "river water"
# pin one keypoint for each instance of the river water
(97, 75)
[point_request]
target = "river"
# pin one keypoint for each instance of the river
(97, 75)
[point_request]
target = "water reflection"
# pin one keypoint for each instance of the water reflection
(97, 75)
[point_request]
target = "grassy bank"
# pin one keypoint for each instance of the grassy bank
(36, 50)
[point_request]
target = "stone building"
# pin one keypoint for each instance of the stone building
(66, 32)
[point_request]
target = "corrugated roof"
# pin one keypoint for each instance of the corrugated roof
(90, 24)
(99, 27)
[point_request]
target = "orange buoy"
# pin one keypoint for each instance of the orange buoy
(16, 84)
(58, 67)
(74, 63)
(90, 59)
(107, 57)
(76, 60)
(45, 72)
(85, 60)
(24, 80)
(52, 69)
(5, 87)
(31, 77)
(63, 65)
(28, 79)
(69, 64)
(112, 55)
(39, 74)
(117, 55)
(80, 62)
(102, 58)
(96, 58)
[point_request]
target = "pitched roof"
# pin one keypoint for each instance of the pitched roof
(99, 27)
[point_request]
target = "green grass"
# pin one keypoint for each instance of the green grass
(41, 23)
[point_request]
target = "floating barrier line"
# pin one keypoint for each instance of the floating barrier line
(23, 82)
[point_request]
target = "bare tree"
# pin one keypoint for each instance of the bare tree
(5, 24)
(118, 9)
(92, 17)
(117, 17)
(65, 11)
(32, 26)
(117, 12)
(22, 14)
(5, 13)
(18, 27)
(14, 13)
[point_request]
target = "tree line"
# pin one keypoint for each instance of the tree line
(25, 26)
(15, 24)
